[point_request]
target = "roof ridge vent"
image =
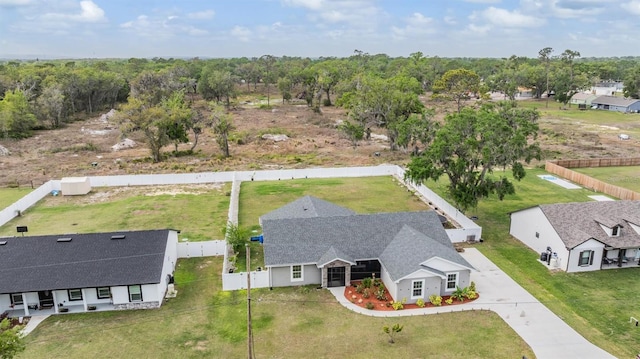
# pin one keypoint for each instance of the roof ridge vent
(2, 243)
(118, 236)
(66, 239)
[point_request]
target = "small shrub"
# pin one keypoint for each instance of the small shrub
(359, 288)
(449, 301)
(399, 305)
(378, 283)
(460, 294)
(472, 294)
(369, 306)
(367, 282)
(435, 300)
(420, 303)
(381, 294)
(366, 293)
(472, 286)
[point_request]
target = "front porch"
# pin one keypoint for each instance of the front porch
(620, 258)
(615, 263)
(99, 307)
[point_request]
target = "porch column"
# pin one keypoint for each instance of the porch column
(619, 257)
(84, 299)
(25, 304)
(55, 301)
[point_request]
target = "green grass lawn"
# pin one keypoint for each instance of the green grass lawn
(204, 322)
(200, 215)
(8, 195)
(362, 195)
(596, 304)
(623, 176)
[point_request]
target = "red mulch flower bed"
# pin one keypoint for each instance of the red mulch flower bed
(357, 299)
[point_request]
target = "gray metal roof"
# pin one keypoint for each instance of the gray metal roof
(360, 236)
(89, 260)
(613, 101)
(308, 207)
(576, 223)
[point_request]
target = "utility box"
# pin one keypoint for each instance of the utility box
(75, 186)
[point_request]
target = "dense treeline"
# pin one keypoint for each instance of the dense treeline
(45, 94)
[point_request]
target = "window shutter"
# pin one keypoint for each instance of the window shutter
(590, 257)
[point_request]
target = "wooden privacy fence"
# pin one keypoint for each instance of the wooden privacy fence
(591, 183)
(598, 162)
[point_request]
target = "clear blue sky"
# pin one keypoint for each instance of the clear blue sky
(235, 28)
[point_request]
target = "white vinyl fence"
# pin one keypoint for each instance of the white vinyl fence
(201, 249)
(235, 281)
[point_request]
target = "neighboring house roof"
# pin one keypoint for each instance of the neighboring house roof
(308, 207)
(613, 101)
(401, 241)
(576, 223)
(581, 96)
(88, 260)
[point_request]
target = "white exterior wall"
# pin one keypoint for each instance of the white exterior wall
(236, 281)
(73, 186)
(431, 286)
(391, 285)
(169, 265)
(281, 276)
(524, 226)
(150, 293)
(5, 303)
(120, 294)
(574, 259)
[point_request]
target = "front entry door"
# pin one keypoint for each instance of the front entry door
(46, 298)
(336, 277)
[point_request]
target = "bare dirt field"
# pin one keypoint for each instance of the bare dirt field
(84, 148)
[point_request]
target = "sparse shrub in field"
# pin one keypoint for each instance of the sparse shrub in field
(420, 303)
(435, 300)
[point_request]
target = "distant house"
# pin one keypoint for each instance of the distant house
(608, 88)
(578, 237)
(618, 104)
(311, 241)
(83, 272)
(582, 98)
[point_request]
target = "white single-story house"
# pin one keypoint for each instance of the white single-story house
(618, 104)
(584, 236)
(83, 272)
(312, 241)
(582, 98)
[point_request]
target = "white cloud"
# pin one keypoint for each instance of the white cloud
(483, 1)
(161, 27)
(355, 13)
(632, 6)
(505, 18)
(89, 12)
(568, 9)
(202, 15)
(416, 25)
(450, 20)
(241, 33)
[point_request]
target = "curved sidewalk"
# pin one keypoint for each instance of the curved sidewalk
(547, 335)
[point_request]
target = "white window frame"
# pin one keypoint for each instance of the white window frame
(294, 271)
(455, 282)
(102, 296)
(615, 231)
(589, 259)
(15, 300)
(413, 288)
(139, 293)
(73, 298)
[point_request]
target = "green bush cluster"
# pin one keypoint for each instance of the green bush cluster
(420, 303)
(398, 305)
(435, 300)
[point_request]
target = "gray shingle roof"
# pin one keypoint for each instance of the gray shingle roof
(404, 239)
(576, 223)
(89, 260)
(308, 207)
(615, 101)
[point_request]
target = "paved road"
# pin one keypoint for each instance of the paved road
(545, 332)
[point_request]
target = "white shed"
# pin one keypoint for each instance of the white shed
(73, 186)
